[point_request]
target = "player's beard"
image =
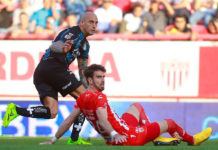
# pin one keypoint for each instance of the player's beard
(98, 88)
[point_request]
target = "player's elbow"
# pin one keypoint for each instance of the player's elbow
(57, 47)
(102, 123)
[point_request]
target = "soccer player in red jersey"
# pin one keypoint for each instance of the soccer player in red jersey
(133, 128)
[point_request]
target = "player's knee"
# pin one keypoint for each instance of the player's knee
(170, 123)
(53, 114)
(81, 90)
(138, 106)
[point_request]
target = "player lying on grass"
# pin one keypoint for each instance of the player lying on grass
(125, 130)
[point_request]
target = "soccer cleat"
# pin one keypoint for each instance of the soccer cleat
(78, 142)
(10, 114)
(159, 141)
(202, 136)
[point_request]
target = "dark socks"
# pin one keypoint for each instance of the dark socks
(77, 126)
(35, 112)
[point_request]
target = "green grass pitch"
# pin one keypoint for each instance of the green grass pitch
(32, 143)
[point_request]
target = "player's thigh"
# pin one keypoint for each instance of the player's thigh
(153, 131)
(43, 78)
(133, 111)
(130, 119)
(44, 89)
(48, 97)
(67, 83)
(77, 92)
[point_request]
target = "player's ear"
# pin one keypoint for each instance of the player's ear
(89, 80)
(82, 22)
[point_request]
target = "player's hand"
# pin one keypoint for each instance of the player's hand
(119, 138)
(67, 46)
(46, 143)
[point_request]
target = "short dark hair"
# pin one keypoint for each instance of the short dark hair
(89, 71)
(180, 16)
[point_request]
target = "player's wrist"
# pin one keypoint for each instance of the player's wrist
(113, 133)
(54, 139)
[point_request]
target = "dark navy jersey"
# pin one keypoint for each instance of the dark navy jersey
(79, 49)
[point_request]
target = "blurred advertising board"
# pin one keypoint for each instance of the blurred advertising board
(144, 68)
(175, 80)
(193, 117)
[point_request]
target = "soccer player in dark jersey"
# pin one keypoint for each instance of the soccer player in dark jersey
(53, 75)
(133, 128)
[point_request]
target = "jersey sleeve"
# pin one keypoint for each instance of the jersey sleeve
(65, 35)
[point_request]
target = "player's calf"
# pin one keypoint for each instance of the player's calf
(35, 112)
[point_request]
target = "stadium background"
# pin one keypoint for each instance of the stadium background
(171, 79)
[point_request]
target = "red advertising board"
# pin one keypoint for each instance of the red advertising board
(208, 72)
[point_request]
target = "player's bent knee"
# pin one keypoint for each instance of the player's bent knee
(53, 115)
(138, 106)
(171, 123)
(80, 90)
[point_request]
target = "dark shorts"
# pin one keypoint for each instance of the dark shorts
(51, 77)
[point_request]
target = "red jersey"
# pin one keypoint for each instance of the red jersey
(89, 102)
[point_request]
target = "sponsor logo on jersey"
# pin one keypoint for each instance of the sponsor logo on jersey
(68, 36)
(100, 97)
(139, 130)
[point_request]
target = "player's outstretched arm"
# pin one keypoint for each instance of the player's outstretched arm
(107, 127)
(64, 126)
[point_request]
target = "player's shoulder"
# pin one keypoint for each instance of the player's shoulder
(101, 96)
(96, 94)
(74, 29)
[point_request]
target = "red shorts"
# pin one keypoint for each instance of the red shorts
(130, 120)
(140, 135)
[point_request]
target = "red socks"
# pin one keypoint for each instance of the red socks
(143, 118)
(176, 131)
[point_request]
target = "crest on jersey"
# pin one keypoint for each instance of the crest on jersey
(100, 97)
(68, 36)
